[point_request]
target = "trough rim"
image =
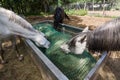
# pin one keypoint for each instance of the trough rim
(57, 73)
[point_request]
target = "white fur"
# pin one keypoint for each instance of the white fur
(64, 47)
(79, 46)
(12, 24)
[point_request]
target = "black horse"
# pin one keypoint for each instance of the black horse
(104, 38)
(59, 16)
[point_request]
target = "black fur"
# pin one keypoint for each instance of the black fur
(59, 16)
(104, 38)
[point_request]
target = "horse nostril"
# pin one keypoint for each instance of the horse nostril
(45, 36)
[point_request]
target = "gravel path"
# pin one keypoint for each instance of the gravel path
(106, 13)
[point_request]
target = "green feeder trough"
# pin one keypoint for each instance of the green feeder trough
(57, 65)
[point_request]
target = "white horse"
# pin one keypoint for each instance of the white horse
(104, 38)
(13, 25)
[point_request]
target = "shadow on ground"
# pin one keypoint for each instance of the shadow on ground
(19, 70)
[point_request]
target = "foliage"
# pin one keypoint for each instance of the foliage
(80, 12)
(27, 6)
(116, 5)
(36, 7)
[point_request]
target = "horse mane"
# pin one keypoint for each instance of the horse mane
(16, 19)
(106, 37)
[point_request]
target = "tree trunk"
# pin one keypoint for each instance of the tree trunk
(85, 5)
(104, 8)
(93, 4)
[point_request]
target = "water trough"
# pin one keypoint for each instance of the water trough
(54, 66)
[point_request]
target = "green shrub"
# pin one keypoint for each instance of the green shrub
(80, 12)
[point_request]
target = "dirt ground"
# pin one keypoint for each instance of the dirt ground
(106, 13)
(15, 69)
(111, 70)
(78, 21)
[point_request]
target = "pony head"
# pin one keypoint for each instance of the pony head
(41, 41)
(77, 44)
(13, 24)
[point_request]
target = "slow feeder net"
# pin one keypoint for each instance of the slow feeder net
(75, 67)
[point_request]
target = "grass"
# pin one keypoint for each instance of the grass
(80, 12)
(105, 16)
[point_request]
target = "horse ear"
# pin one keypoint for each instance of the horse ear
(83, 39)
(85, 30)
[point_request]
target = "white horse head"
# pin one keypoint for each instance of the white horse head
(12, 24)
(41, 41)
(77, 44)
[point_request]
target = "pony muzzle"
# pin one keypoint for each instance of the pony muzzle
(47, 45)
(64, 48)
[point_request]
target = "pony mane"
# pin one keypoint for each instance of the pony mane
(16, 19)
(105, 37)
